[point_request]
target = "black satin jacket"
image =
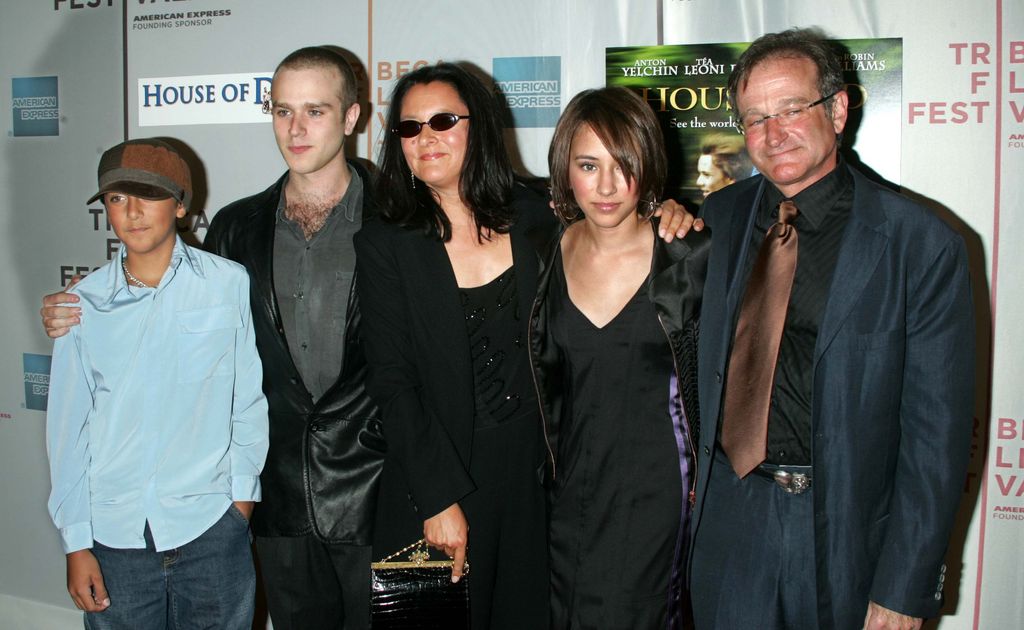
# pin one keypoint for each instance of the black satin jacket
(674, 286)
(325, 459)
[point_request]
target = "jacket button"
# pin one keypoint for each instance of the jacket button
(718, 377)
(294, 381)
(313, 428)
(707, 451)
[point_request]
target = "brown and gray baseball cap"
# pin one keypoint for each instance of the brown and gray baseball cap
(146, 168)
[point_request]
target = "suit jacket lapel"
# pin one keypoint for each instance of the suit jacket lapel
(261, 262)
(739, 241)
(433, 280)
(527, 267)
(677, 277)
(662, 279)
(859, 252)
(262, 259)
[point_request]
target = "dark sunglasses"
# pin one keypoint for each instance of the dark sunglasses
(437, 122)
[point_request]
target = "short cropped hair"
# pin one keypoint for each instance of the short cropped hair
(809, 43)
(325, 56)
(729, 153)
(628, 129)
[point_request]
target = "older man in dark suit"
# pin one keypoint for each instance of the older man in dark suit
(836, 373)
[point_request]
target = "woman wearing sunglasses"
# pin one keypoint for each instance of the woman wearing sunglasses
(445, 284)
(613, 336)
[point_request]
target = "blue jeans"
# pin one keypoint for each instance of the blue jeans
(207, 583)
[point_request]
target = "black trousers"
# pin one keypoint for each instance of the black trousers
(314, 586)
(753, 556)
(509, 581)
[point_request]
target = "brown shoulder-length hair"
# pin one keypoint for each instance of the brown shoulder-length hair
(628, 129)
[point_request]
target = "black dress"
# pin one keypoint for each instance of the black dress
(507, 586)
(617, 506)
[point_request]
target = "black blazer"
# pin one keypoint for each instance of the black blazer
(420, 369)
(892, 396)
(325, 458)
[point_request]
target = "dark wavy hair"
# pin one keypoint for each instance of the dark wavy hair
(627, 127)
(485, 184)
(809, 43)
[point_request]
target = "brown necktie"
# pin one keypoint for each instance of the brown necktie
(755, 350)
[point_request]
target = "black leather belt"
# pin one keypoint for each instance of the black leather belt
(792, 479)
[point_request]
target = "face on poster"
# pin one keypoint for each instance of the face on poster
(687, 86)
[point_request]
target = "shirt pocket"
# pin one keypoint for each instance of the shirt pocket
(206, 342)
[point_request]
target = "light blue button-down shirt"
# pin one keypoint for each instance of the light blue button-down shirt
(156, 410)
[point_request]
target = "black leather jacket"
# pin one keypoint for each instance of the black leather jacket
(325, 458)
(674, 286)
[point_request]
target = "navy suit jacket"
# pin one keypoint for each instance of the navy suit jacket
(892, 395)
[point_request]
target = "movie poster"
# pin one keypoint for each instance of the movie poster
(686, 86)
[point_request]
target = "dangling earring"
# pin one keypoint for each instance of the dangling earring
(412, 176)
(648, 208)
(566, 214)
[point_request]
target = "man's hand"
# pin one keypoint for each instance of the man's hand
(58, 320)
(85, 582)
(245, 507)
(449, 532)
(881, 618)
(675, 221)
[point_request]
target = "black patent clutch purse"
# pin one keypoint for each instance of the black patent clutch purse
(417, 592)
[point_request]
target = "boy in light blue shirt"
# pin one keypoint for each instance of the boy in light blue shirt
(157, 425)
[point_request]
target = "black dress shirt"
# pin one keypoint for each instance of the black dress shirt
(824, 209)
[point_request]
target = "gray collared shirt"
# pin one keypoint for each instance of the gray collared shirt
(312, 281)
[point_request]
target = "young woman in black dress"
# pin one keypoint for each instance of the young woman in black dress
(613, 338)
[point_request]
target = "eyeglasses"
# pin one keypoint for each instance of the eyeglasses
(755, 123)
(437, 122)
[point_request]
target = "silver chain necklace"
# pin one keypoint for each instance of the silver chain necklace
(131, 278)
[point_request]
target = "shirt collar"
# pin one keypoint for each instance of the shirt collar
(817, 200)
(346, 206)
(116, 282)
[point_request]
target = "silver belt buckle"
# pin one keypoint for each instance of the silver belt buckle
(792, 483)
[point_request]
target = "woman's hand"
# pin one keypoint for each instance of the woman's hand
(449, 532)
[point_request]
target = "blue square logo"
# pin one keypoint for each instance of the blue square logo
(37, 380)
(532, 87)
(35, 107)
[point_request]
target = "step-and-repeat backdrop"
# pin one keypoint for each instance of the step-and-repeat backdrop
(78, 76)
